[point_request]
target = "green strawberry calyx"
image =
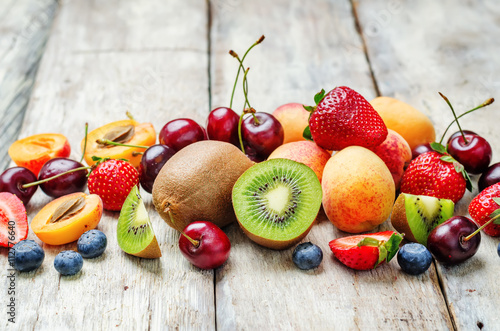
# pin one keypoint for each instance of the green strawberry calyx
(386, 249)
(459, 168)
(317, 99)
(496, 214)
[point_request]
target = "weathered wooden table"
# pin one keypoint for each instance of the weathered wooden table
(69, 62)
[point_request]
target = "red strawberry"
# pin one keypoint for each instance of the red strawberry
(483, 205)
(13, 220)
(435, 175)
(366, 251)
(112, 180)
(344, 118)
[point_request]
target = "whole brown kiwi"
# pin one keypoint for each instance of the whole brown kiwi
(196, 184)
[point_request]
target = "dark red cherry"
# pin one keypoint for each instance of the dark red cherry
(263, 136)
(205, 245)
(421, 149)
(489, 177)
(447, 241)
(458, 133)
(13, 179)
(69, 183)
(152, 161)
(181, 132)
(222, 125)
(475, 154)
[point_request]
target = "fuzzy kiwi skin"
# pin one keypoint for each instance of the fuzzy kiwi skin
(276, 244)
(197, 182)
(398, 218)
(152, 251)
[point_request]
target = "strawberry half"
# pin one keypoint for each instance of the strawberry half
(484, 207)
(436, 175)
(366, 251)
(344, 118)
(13, 220)
(113, 180)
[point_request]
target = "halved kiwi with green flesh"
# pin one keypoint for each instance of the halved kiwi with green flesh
(134, 231)
(417, 215)
(276, 202)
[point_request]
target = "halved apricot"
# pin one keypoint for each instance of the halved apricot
(127, 132)
(65, 219)
(33, 151)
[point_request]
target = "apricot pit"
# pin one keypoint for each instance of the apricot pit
(65, 219)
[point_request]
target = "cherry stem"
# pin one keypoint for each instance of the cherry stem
(480, 228)
(196, 243)
(54, 177)
(261, 39)
(130, 116)
(456, 119)
(484, 104)
(85, 142)
(135, 153)
(109, 142)
(245, 92)
(239, 133)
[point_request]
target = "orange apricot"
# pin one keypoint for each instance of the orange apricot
(127, 132)
(294, 119)
(32, 152)
(65, 219)
(413, 125)
(306, 152)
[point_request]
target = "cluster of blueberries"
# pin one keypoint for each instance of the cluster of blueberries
(27, 255)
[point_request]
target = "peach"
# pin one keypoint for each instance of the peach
(294, 119)
(65, 219)
(140, 134)
(32, 152)
(358, 190)
(306, 152)
(413, 125)
(395, 152)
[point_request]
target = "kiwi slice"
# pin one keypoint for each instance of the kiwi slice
(417, 215)
(276, 202)
(134, 231)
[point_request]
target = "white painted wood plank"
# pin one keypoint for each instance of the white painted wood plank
(103, 58)
(309, 46)
(417, 49)
(24, 29)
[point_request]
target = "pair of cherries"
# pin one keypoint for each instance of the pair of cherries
(261, 133)
(23, 183)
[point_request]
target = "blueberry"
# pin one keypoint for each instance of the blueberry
(92, 244)
(26, 255)
(498, 249)
(68, 263)
(414, 258)
(307, 256)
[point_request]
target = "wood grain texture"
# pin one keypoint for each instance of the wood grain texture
(25, 27)
(416, 50)
(104, 58)
(308, 46)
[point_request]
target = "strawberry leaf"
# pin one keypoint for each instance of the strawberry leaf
(438, 148)
(468, 181)
(382, 255)
(319, 96)
(458, 167)
(497, 200)
(368, 241)
(495, 214)
(447, 158)
(309, 108)
(307, 134)
(392, 245)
